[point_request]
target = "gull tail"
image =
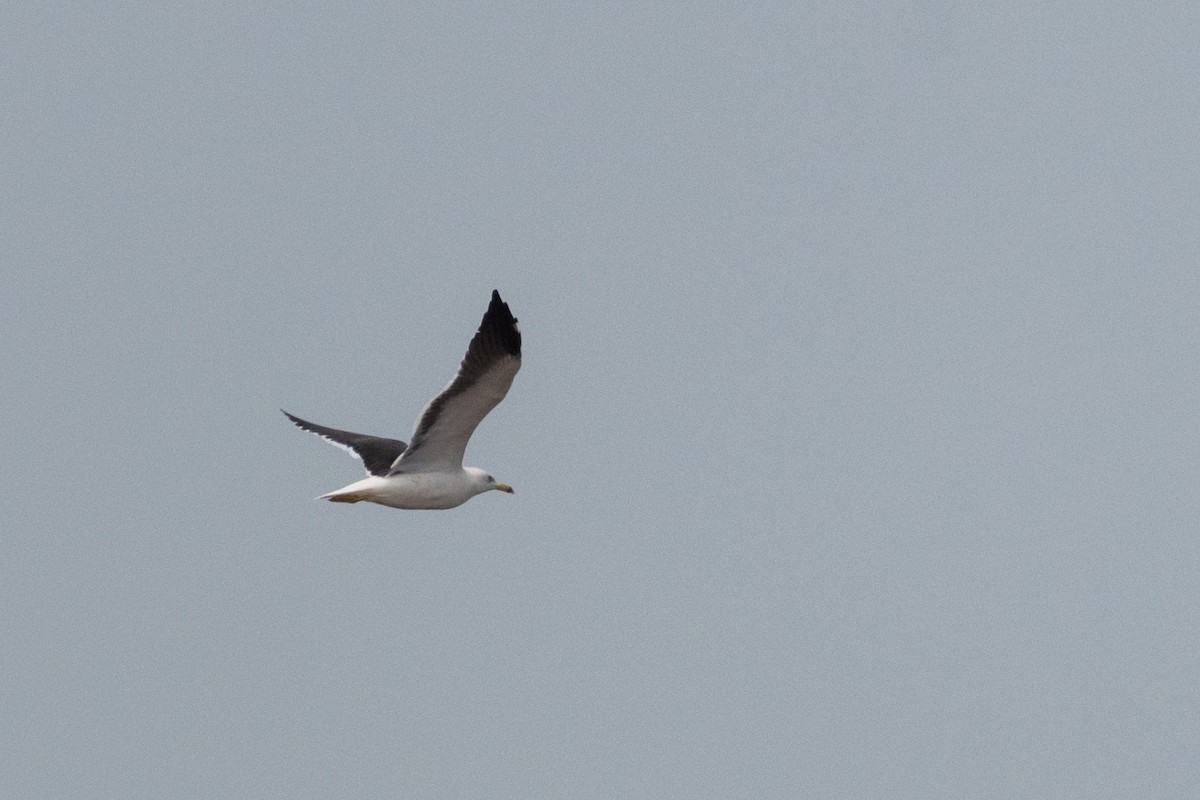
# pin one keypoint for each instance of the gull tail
(354, 493)
(347, 497)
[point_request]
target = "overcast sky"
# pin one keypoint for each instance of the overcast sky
(855, 448)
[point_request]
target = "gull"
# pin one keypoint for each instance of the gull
(428, 472)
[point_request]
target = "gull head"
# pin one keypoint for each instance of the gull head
(485, 482)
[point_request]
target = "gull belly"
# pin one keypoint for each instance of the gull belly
(418, 490)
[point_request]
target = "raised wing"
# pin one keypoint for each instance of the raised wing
(376, 453)
(483, 378)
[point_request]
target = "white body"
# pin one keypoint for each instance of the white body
(419, 489)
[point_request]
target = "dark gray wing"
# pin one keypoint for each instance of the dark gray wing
(377, 454)
(483, 378)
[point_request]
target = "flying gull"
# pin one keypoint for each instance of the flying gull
(428, 472)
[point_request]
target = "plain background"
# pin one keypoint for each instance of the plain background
(855, 447)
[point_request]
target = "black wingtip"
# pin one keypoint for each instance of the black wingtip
(500, 322)
(303, 424)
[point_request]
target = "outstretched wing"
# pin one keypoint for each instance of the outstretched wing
(376, 453)
(483, 378)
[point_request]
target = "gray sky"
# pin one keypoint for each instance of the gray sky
(855, 447)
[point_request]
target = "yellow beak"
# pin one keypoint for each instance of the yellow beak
(504, 487)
